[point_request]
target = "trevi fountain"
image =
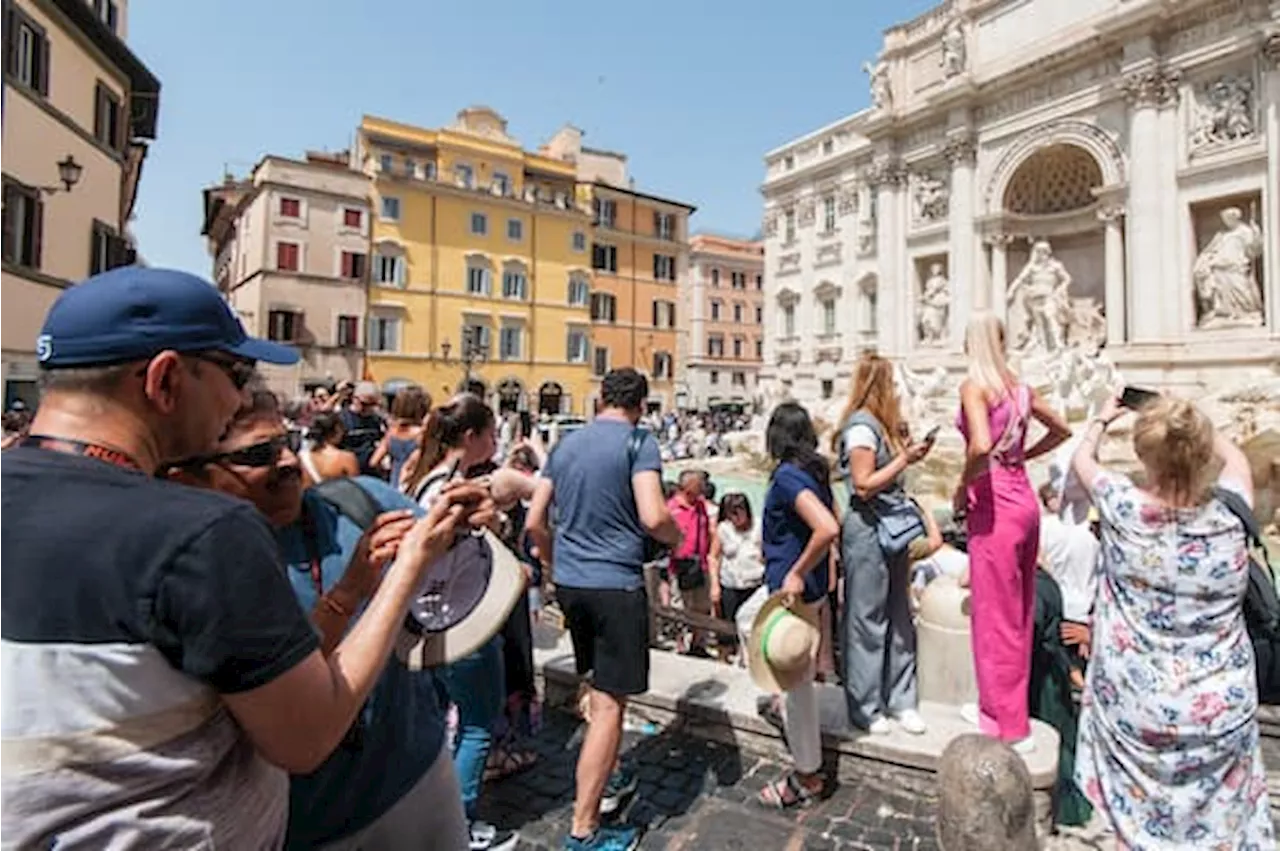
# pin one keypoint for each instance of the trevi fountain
(1103, 174)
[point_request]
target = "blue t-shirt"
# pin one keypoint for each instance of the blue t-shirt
(402, 722)
(599, 542)
(785, 534)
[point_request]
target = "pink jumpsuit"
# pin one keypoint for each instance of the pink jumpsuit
(1004, 537)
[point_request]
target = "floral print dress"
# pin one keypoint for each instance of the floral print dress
(1168, 747)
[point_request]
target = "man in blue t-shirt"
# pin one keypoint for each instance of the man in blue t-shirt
(604, 483)
(391, 783)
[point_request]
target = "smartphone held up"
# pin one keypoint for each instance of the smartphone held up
(1137, 398)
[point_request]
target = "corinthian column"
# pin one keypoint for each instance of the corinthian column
(999, 243)
(1113, 245)
(1271, 196)
(1147, 91)
(961, 152)
(885, 180)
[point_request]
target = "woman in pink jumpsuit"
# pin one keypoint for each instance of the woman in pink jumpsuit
(1003, 518)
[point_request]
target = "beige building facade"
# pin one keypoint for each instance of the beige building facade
(79, 109)
(725, 303)
(290, 249)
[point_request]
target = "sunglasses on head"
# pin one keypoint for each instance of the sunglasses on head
(264, 454)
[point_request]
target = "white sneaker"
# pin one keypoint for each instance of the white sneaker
(880, 726)
(911, 722)
(1024, 746)
(969, 712)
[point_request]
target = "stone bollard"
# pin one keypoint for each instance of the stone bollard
(944, 658)
(984, 797)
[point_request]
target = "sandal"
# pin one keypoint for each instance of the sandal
(504, 763)
(786, 794)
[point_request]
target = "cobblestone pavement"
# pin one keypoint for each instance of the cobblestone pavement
(697, 794)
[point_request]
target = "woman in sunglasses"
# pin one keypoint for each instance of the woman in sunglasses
(324, 458)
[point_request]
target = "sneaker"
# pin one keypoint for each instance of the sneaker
(879, 726)
(615, 838)
(911, 722)
(622, 785)
(969, 712)
(486, 837)
(1024, 746)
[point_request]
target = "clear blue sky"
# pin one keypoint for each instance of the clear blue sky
(694, 92)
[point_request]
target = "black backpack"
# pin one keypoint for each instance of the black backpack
(1261, 604)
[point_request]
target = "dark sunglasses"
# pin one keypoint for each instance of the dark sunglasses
(238, 372)
(265, 454)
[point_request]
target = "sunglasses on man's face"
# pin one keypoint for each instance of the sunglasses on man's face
(238, 372)
(264, 454)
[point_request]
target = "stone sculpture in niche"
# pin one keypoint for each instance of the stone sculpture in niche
(935, 306)
(881, 90)
(1226, 112)
(1227, 290)
(931, 197)
(1040, 294)
(953, 48)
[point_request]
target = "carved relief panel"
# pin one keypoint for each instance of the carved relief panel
(1222, 111)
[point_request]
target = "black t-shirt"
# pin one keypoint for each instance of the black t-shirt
(364, 431)
(94, 554)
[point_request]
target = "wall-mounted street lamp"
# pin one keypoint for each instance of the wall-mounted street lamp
(69, 172)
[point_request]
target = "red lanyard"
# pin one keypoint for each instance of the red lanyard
(69, 446)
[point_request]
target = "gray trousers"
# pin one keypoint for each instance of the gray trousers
(879, 635)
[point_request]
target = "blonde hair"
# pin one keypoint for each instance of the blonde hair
(873, 390)
(1174, 441)
(984, 344)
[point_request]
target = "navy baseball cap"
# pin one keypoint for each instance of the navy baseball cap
(135, 312)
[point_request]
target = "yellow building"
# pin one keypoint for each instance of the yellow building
(480, 265)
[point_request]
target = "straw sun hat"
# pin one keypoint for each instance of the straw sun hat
(783, 644)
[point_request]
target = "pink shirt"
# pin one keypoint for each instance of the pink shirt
(694, 525)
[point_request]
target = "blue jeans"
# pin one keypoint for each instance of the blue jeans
(475, 684)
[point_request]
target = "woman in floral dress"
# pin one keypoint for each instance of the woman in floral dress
(1168, 747)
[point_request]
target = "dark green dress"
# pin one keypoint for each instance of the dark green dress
(1051, 702)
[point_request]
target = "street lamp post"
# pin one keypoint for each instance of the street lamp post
(472, 350)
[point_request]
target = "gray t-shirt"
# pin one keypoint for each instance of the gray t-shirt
(599, 542)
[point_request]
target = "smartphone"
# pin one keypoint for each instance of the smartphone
(1137, 398)
(932, 434)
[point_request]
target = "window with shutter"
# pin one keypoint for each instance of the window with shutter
(23, 224)
(107, 118)
(287, 256)
(26, 51)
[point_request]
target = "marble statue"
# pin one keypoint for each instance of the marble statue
(935, 305)
(953, 48)
(1041, 293)
(931, 197)
(881, 91)
(1226, 288)
(921, 392)
(1226, 113)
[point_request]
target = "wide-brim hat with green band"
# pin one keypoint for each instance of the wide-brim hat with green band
(783, 644)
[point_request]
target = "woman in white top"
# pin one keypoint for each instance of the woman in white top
(735, 565)
(458, 440)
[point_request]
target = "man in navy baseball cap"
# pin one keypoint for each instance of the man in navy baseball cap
(150, 362)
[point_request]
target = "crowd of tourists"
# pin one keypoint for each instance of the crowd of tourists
(1113, 607)
(234, 623)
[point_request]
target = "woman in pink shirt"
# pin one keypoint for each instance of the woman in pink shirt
(689, 561)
